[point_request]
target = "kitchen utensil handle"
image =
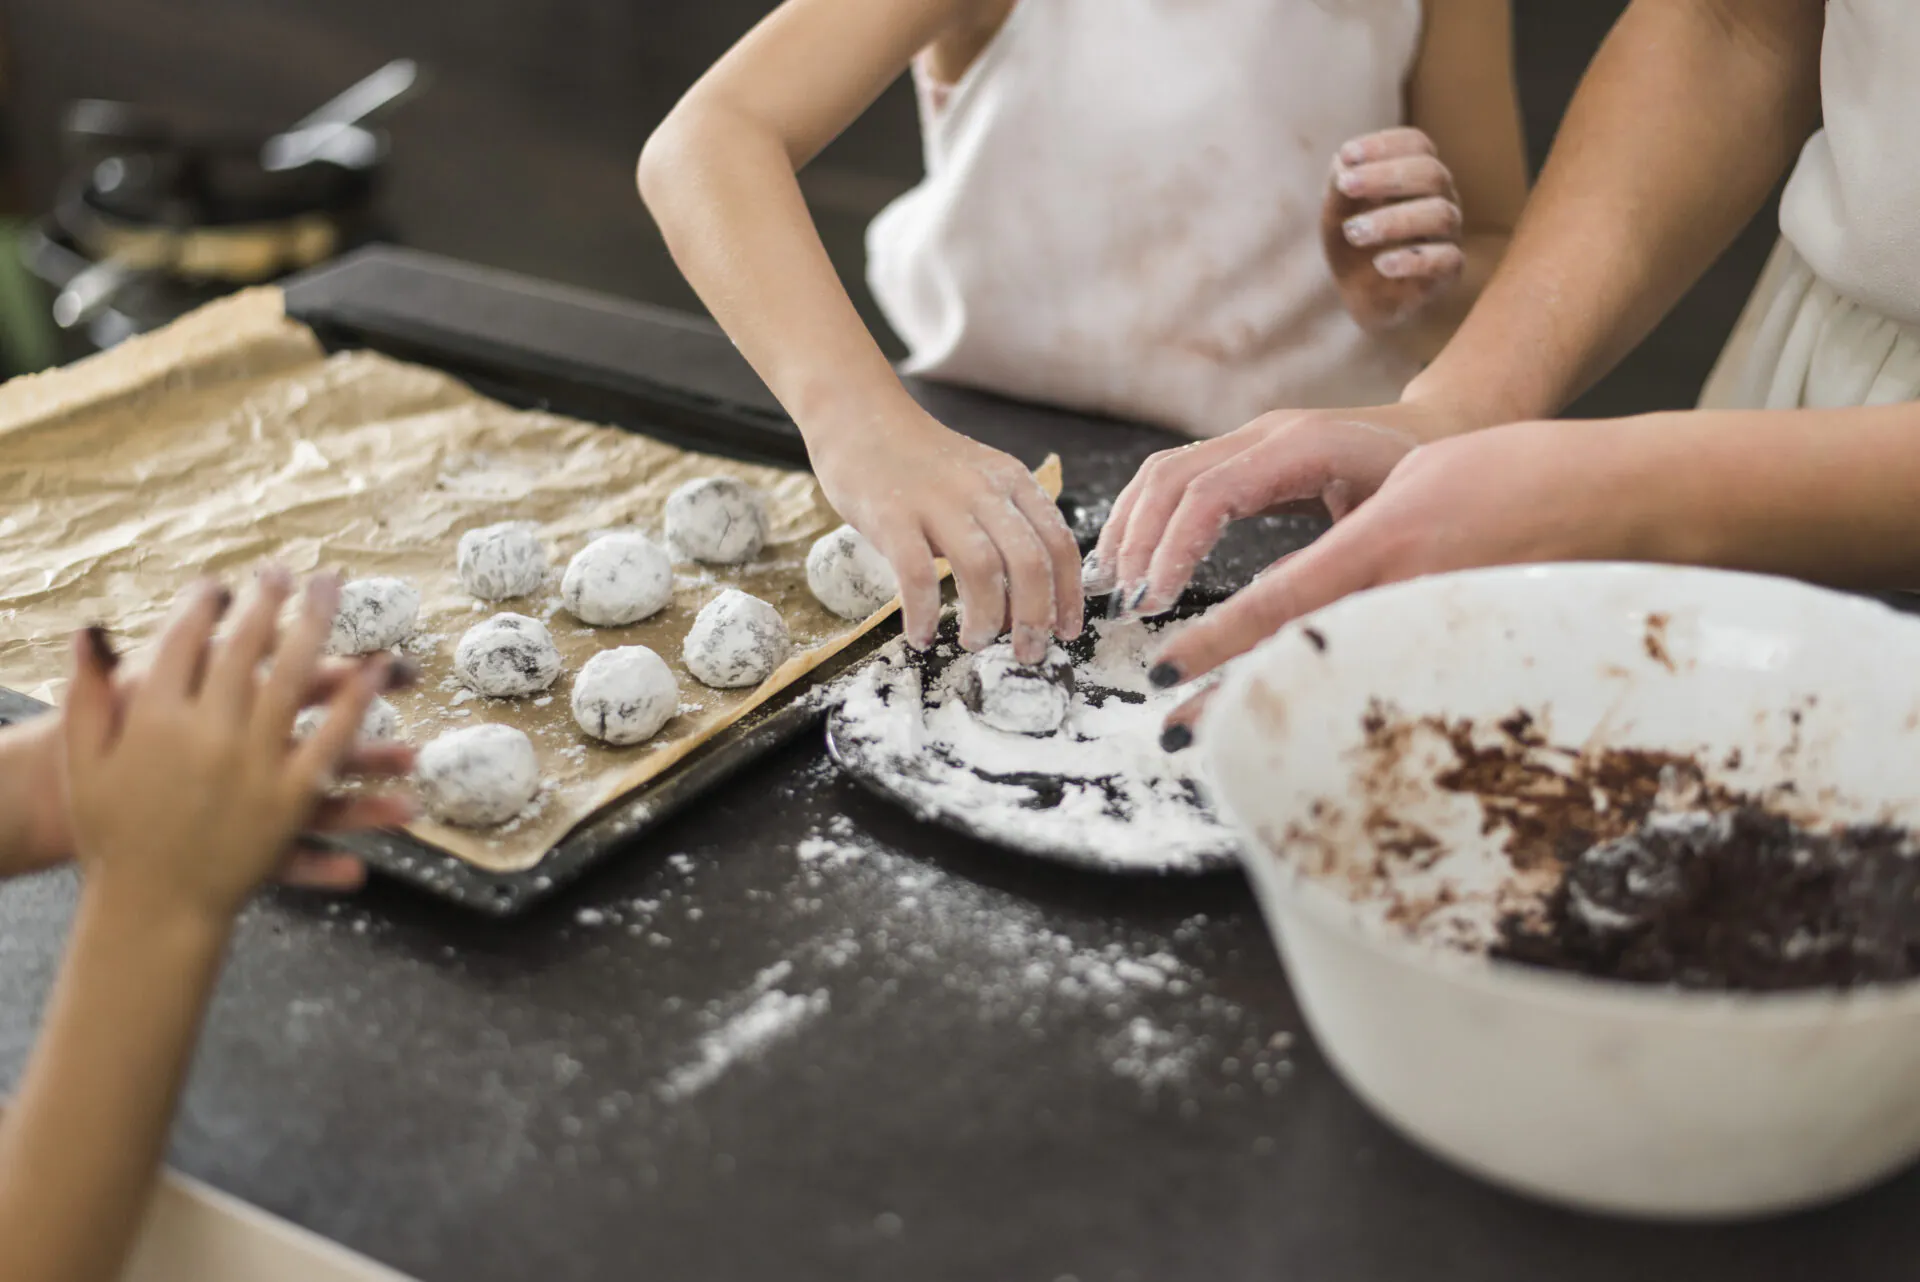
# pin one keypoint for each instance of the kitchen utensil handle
(91, 292)
(382, 91)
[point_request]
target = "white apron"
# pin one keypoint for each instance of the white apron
(1121, 212)
(1835, 319)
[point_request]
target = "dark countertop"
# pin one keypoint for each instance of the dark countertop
(983, 1076)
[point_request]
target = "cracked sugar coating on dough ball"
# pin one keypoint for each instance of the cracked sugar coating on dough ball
(1017, 697)
(379, 725)
(375, 614)
(624, 696)
(616, 580)
(736, 640)
(848, 575)
(506, 656)
(478, 777)
(499, 562)
(717, 520)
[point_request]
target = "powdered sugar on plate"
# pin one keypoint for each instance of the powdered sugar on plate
(1100, 792)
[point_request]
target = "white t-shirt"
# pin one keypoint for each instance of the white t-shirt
(1852, 207)
(1121, 212)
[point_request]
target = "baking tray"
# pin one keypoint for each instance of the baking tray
(568, 381)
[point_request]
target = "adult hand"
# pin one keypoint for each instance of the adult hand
(1182, 500)
(190, 790)
(1391, 227)
(919, 490)
(1527, 493)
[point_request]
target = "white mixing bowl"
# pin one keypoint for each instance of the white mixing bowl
(1608, 1096)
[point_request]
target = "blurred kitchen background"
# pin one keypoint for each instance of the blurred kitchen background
(518, 149)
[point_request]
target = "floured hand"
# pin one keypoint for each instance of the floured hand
(1176, 508)
(919, 490)
(1522, 494)
(1391, 226)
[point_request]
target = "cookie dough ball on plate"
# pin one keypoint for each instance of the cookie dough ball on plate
(375, 614)
(506, 656)
(624, 696)
(1017, 697)
(478, 777)
(736, 640)
(616, 580)
(498, 562)
(718, 520)
(848, 575)
(380, 724)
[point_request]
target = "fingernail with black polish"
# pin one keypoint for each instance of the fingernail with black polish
(102, 647)
(1176, 737)
(1163, 675)
(404, 674)
(222, 600)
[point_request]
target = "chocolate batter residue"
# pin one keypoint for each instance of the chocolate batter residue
(1742, 899)
(1659, 875)
(1553, 803)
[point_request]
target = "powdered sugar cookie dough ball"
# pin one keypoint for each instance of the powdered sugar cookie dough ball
(375, 614)
(1017, 697)
(848, 575)
(379, 725)
(499, 562)
(478, 777)
(616, 580)
(736, 640)
(506, 656)
(624, 696)
(718, 520)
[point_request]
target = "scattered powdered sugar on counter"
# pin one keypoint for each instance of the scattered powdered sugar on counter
(1163, 1033)
(1099, 792)
(771, 1017)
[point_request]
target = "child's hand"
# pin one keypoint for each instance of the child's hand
(919, 490)
(35, 786)
(1391, 226)
(190, 790)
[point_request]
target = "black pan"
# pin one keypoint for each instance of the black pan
(854, 749)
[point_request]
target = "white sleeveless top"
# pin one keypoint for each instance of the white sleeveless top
(1121, 212)
(1852, 207)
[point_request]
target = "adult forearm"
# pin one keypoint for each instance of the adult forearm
(1689, 114)
(83, 1140)
(1832, 496)
(730, 207)
(1429, 333)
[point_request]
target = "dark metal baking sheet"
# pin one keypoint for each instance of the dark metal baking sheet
(634, 403)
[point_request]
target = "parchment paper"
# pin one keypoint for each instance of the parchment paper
(230, 438)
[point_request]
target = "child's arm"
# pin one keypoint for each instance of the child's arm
(719, 176)
(1416, 219)
(33, 820)
(185, 795)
